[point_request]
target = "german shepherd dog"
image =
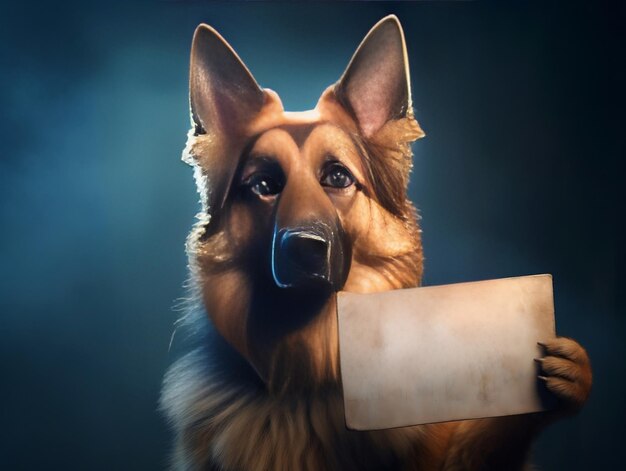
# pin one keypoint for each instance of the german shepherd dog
(295, 207)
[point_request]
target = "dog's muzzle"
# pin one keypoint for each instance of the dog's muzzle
(308, 255)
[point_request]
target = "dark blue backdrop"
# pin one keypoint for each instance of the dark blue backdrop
(518, 175)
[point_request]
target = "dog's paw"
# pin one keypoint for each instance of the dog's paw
(566, 371)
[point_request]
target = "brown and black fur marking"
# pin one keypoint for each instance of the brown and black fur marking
(262, 390)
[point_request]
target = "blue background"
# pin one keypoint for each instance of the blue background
(518, 174)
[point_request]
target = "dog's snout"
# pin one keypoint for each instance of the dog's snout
(312, 254)
(307, 250)
(301, 255)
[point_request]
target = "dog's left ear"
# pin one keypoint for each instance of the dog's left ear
(375, 87)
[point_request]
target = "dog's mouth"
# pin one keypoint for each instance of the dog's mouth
(310, 262)
(290, 340)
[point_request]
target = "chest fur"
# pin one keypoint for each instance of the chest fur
(223, 424)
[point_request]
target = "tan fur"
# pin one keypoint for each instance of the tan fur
(266, 394)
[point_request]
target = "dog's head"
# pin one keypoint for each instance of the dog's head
(296, 206)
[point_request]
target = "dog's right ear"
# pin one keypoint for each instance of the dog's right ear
(222, 92)
(224, 98)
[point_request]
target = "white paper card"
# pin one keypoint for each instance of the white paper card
(442, 353)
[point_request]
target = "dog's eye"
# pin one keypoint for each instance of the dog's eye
(337, 176)
(264, 185)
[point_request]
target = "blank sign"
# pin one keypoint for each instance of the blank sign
(441, 353)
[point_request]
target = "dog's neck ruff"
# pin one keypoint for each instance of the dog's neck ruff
(225, 419)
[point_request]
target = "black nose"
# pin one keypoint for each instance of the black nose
(300, 256)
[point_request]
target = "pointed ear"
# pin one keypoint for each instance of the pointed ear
(376, 85)
(222, 92)
(224, 98)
